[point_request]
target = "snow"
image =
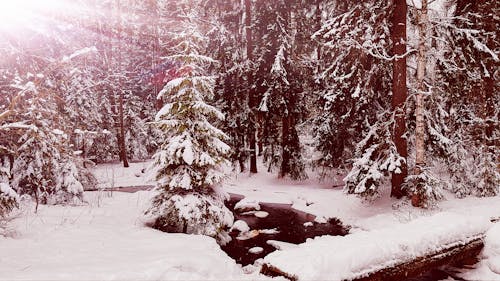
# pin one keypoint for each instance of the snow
(248, 235)
(489, 267)
(107, 240)
(363, 252)
(80, 52)
(261, 214)
(115, 175)
(280, 245)
(256, 250)
(188, 154)
(269, 231)
(7, 190)
(247, 204)
(240, 226)
(320, 199)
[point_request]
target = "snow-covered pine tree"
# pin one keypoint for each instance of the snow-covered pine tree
(462, 112)
(279, 86)
(189, 164)
(234, 83)
(34, 128)
(43, 166)
(355, 121)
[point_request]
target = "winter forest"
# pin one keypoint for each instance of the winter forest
(249, 140)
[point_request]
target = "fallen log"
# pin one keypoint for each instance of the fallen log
(447, 240)
(454, 255)
(450, 256)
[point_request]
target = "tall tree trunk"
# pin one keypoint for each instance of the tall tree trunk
(399, 92)
(121, 139)
(285, 146)
(155, 60)
(123, 147)
(251, 99)
(417, 199)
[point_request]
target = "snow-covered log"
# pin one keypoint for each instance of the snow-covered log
(385, 254)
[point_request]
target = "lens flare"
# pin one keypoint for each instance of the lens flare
(18, 13)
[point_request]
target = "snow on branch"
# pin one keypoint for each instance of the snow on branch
(80, 52)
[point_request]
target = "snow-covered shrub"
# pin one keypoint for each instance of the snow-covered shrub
(68, 186)
(488, 175)
(375, 158)
(8, 199)
(44, 169)
(426, 189)
(192, 212)
(8, 196)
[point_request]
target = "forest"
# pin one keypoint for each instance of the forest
(385, 100)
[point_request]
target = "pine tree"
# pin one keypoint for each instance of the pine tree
(233, 85)
(354, 126)
(278, 85)
(462, 118)
(189, 164)
(43, 167)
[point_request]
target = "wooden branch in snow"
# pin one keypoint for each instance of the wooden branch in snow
(453, 254)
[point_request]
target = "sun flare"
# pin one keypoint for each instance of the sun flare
(17, 13)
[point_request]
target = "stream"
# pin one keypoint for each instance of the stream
(290, 227)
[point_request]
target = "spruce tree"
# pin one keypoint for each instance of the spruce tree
(189, 163)
(354, 126)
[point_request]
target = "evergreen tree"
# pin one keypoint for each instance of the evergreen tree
(462, 110)
(354, 126)
(189, 163)
(278, 84)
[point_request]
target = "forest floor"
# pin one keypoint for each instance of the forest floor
(107, 239)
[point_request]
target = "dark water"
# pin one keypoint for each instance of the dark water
(438, 274)
(128, 189)
(288, 221)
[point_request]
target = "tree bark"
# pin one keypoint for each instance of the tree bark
(419, 106)
(251, 99)
(399, 92)
(285, 145)
(121, 139)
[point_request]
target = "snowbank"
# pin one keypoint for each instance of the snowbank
(106, 240)
(247, 204)
(489, 267)
(363, 252)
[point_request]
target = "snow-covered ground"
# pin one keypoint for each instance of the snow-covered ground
(107, 239)
(114, 175)
(320, 199)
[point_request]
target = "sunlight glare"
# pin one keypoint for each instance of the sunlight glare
(15, 13)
